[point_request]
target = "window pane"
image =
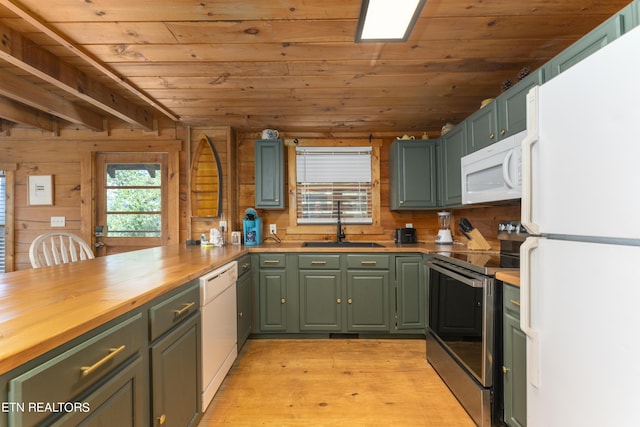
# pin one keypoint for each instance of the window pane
(134, 200)
(133, 225)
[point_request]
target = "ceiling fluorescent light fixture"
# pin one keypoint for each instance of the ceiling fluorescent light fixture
(387, 20)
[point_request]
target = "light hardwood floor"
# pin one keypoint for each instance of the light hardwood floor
(334, 382)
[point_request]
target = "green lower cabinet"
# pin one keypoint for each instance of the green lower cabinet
(515, 360)
(320, 300)
(368, 301)
(411, 299)
(273, 300)
(243, 290)
(116, 403)
(175, 379)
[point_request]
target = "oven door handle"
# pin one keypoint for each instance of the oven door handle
(450, 271)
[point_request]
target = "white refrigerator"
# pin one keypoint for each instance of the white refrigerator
(580, 270)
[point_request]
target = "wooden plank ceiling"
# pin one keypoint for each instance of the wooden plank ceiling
(285, 64)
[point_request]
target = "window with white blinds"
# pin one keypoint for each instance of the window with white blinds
(327, 175)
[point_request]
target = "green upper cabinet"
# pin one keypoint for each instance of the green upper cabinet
(451, 148)
(512, 105)
(604, 34)
(269, 169)
(482, 128)
(413, 174)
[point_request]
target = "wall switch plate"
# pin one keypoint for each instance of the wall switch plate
(58, 221)
(408, 225)
(272, 229)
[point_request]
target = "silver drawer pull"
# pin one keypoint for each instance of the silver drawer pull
(184, 309)
(245, 266)
(514, 302)
(368, 262)
(271, 261)
(113, 352)
(318, 262)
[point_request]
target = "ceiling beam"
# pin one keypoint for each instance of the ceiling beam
(38, 23)
(28, 56)
(37, 97)
(20, 113)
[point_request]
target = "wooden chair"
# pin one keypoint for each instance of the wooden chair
(58, 248)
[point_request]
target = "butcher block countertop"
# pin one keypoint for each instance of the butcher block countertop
(510, 277)
(43, 308)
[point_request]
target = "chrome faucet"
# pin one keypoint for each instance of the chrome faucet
(339, 234)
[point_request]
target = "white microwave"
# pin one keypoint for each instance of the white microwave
(493, 173)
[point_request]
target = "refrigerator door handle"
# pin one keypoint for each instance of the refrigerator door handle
(533, 135)
(526, 249)
(505, 169)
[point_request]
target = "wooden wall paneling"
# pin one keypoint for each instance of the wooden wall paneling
(69, 158)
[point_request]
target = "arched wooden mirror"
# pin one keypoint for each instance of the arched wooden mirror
(206, 180)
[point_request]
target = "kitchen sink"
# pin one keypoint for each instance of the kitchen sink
(325, 244)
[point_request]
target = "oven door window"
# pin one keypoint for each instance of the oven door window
(456, 318)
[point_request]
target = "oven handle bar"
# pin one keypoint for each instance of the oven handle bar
(454, 272)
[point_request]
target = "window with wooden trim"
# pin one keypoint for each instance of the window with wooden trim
(328, 177)
(322, 173)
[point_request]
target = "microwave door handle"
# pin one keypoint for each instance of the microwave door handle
(474, 283)
(505, 169)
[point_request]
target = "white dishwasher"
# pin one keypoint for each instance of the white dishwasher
(219, 327)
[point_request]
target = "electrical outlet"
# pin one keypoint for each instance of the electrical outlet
(58, 221)
(272, 229)
(408, 225)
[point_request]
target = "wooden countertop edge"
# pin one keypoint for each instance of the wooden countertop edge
(31, 332)
(510, 277)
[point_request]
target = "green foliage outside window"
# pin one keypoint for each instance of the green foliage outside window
(134, 200)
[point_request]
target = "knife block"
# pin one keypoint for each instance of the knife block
(477, 242)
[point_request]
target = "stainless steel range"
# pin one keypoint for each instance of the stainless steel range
(464, 329)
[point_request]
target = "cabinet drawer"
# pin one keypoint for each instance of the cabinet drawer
(64, 377)
(368, 261)
(511, 300)
(273, 260)
(168, 313)
(319, 261)
(244, 264)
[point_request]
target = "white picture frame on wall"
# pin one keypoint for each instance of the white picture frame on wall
(40, 190)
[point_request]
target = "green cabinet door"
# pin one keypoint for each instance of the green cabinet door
(512, 105)
(273, 300)
(320, 300)
(411, 296)
(368, 300)
(269, 170)
(413, 174)
(121, 401)
(243, 291)
(515, 360)
(452, 148)
(482, 128)
(175, 376)
(602, 35)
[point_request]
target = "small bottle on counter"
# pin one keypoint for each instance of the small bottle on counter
(203, 238)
